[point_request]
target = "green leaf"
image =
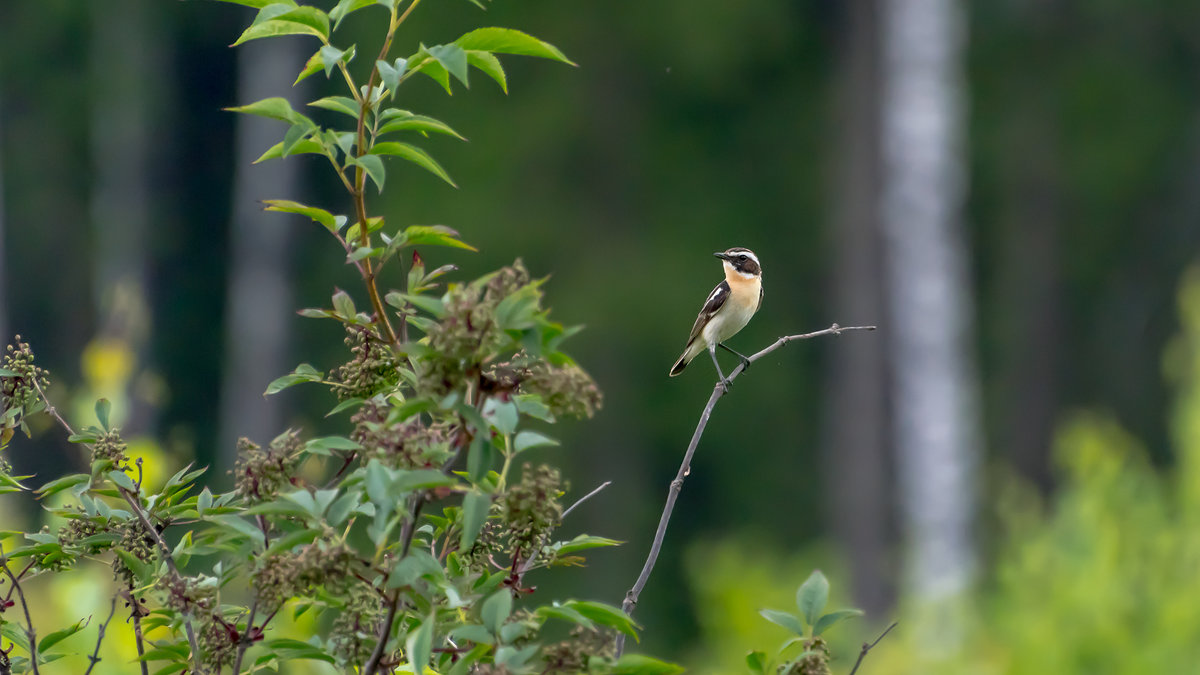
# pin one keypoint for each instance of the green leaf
(59, 635)
(475, 510)
(516, 311)
(343, 303)
(605, 615)
(372, 165)
(143, 572)
(418, 564)
(322, 446)
(757, 663)
(531, 439)
(122, 479)
(390, 73)
(314, 65)
(490, 65)
(833, 618)
(286, 542)
(420, 646)
(276, 108)
(480, 457)
(584, 542)
(317, 215)
(302, 20)
(496, 610)
(812, 596)
(636, 664)
(342, 104)
(103, 408)
(509, 41)
(434, 235)
(60, 484)
(788, 621)
(395, 119)
(330, 56)
(345, 8)
(423, 62)
(302, 373)
(453, 58)
(501, 414)
(411, 153)
(304, 147)
(290, 650)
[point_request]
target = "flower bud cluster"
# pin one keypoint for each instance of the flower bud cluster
(20, 390)
(400, 445)
(356, 628)
(110, 446)
(218, 643)
(281, 576)
(373, 369)
(815, 661)
(567, 390)
(194, 596)
(531, 508)
(467, 336)
(574, 654)
(261, 472)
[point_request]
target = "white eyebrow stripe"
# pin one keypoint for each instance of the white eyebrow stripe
(746, 252)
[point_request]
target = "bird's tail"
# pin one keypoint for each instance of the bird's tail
(689, 353)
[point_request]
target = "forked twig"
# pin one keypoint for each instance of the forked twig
(631, 598)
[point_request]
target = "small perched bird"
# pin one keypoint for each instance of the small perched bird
(727, 310)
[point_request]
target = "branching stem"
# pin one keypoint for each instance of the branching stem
(30, 632)
(95, 657)
(719, 390)
(868, 646)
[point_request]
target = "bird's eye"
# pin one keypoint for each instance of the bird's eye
(742, 258)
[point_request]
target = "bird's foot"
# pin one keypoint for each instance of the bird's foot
(725, 384)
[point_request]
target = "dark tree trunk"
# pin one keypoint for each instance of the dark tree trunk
(856, 425)
(259, 300)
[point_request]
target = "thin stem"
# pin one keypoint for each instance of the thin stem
(868, 647)
(30, 633)
(95, 657)
(139, 639)
(586, 497)
(245, 641)
(685, 467)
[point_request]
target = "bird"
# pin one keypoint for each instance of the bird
(726, 311)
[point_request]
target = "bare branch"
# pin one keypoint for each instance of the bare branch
(95, 657)
(631, 598)
(135, 613)
(868, 647)
(586, 497)
(30, 633)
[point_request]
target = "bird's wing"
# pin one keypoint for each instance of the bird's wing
(716, 300)
(760, 297)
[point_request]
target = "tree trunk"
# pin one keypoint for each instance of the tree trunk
(125, 58)
(856, 423)
(934, 387)
(259, 296)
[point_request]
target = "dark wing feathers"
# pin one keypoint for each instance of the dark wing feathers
(716, 300)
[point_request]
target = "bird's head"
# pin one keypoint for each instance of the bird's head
(742, 261)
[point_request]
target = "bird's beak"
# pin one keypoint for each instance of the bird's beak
(719, 255)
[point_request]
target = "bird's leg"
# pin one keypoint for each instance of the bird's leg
(725, 383)
(745, 361)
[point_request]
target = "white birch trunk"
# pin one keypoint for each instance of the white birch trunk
(934, 388)
(259, 297)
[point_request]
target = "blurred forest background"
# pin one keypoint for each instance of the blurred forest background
(1010, 189)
